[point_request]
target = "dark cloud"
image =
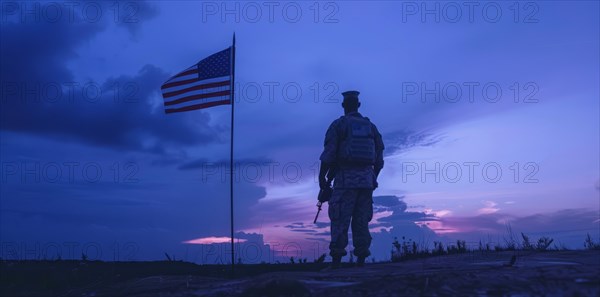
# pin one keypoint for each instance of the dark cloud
(399, 223)
(301, 228)
(132, 14)
(320, 239)
(398, 207)
(253, 237)
(41, 96)
(312, 230)
(408, 216)
(122, 126)
(388, 201)
(322, 224)
(384, 224)
(304, 230)
(575, 219)
(246, 198)
(402, 140)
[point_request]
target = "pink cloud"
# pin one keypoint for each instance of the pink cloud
(212, 239)
(490, 207)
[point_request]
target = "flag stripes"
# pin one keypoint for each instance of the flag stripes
(202, 85)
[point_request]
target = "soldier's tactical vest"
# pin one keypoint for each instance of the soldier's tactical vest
(357, 145)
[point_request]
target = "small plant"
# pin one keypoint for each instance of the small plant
(396, 244)
(483, 247)
(438, 248)
(451, 249)
(543, 243)
(408, 249)
(510, 242)
(321, 259)
(84, 257)
(526, 243)
(461, 246)
(590, 244)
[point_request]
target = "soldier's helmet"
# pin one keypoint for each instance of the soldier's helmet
(351, 99)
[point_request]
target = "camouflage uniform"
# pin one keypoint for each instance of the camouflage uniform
(352, 198)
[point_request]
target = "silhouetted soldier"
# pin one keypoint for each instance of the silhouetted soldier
(353, 157)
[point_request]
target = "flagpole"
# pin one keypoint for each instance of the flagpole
(231, 154)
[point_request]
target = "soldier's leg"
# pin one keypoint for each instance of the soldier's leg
(341, 207)
(362, 215)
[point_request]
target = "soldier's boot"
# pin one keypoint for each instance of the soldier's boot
(360, 262)
(336, 262)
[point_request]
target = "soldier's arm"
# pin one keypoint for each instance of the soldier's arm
(379, 147)
(332, 171)
(327, 171)
(328, 157)
(323, 172)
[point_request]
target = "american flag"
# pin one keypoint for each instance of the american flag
(204, 84)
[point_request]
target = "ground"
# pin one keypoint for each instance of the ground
(509, 273)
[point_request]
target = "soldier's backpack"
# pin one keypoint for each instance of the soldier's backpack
(357, 146)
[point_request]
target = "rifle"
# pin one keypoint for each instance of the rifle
(318, 211)
(324, 196)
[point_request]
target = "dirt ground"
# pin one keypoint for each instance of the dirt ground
(553, 273)
(558, 273)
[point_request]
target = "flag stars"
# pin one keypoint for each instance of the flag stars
(216, 65)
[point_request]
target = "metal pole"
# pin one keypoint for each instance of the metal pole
(231, 153)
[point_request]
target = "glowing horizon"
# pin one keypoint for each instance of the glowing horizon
(213, 239)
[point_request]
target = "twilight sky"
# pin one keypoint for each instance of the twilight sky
(489, 112)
